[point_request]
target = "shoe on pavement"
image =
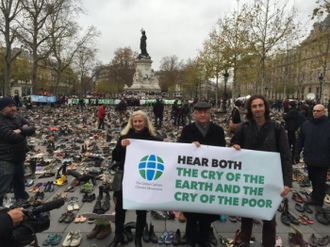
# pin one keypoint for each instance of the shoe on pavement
(320, 217)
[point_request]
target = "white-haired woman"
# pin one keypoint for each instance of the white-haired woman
(139, 126)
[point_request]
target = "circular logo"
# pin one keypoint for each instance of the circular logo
(151, 167)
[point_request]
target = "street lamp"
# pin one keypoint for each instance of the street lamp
(225, 75)
(321, 83)
(196, 94)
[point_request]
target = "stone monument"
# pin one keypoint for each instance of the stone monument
(144, 79)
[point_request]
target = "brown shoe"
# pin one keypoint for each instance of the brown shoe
(104, 232)
(182, 219)
(97, 229)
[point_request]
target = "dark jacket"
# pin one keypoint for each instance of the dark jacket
(119, 153)
(236, 116)
(175, 108)
(247, 136)
(13, 146)
(314, 137)
(290, 119)
(158, 109)
(6, 226)
(215, 137)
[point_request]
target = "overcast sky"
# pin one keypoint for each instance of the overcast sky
(173, 27)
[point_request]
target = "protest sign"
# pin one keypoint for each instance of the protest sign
(207, 179)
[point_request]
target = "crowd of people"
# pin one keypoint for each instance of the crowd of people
(254, 130)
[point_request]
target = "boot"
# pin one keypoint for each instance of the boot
(107, 195)
(118, 239)
(145, 234)
(97, 229)
(138, 242)
(152, 235)
(104, 232)
(100, 196)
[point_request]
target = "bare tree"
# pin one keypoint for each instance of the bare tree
(171, 67)
(34, 32)
(9, 9)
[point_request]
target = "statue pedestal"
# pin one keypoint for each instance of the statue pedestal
(144, 79)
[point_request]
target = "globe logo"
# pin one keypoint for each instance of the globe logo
(151, 167)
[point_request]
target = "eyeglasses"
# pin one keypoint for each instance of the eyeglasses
(317, 110)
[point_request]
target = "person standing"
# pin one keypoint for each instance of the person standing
(139, 126)
(291, 125)
(262, 134)
(13, 145)
(175, 112)
(158, 110)
(101, 115)
(314, 138)
(186, 113)
(201, 132)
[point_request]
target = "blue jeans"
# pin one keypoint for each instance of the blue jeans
(12, 172)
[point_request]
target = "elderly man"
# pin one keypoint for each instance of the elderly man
(201, 132)
(13, 146)
(314, 138)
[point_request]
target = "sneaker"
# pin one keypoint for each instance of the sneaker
(169, 237)
(162, 237)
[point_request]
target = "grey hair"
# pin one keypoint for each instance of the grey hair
(146, 119)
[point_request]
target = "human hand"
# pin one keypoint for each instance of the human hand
(17, 131)
(285, 191)
(237, 147)
(125, 142)
(197, 143)
(16, 215)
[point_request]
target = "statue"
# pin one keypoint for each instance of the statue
(143, 44)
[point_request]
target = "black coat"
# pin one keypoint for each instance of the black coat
(158, 109)
(215, 137)
(246, 137)
(119, 153)
(13, 146)
(290, 119)
(314, 137)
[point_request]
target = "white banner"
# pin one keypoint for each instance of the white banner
(181, 177)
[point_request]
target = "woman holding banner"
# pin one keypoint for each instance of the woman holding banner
(201, 132)
(139, 126)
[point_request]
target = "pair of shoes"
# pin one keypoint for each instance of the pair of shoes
(286, 217)
(302, 208)
(53, 239)
(72, 239)
(49, 187)
(297, 197)
(323, 241)
(67, 217)
(69, 189)
(163, 237)
(149, 235)
(320, 217)
(88, 198)
(39, 195)
(80, 219)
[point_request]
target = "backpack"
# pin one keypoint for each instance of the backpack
(300, 119)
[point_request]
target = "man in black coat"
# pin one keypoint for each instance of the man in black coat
(314, 138)
(291, 125)
(158, 110)
(13, 147)
(201, 132)
(262, 134)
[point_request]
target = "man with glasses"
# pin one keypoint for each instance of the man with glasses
(201, 132)
(314, 138)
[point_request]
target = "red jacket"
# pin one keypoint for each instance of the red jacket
(101, 114)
